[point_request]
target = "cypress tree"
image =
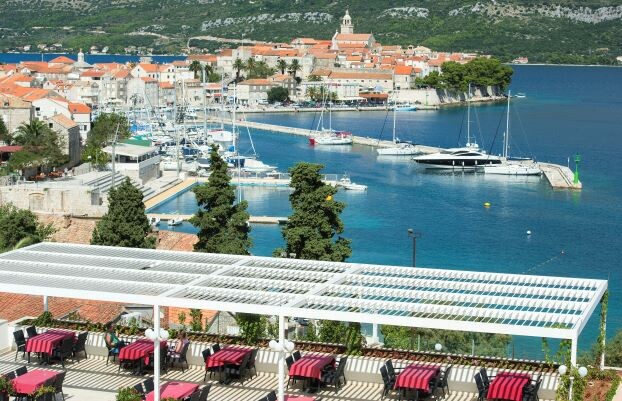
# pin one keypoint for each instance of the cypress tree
(223, 225)
(125, 224)
(312, 231)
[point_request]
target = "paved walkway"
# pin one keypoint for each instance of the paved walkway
(169, 193)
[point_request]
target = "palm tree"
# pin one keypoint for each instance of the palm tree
(32, 134)
(238, 65)
(294, 67)
(196, 67)
(5, 135)
(312, 92)
(281, 65)
(251, 67)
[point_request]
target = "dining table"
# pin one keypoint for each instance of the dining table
(176, 390)
(30, 382)
(417, 377)
(139, 351)
(45, 343)
(508, 386)
(230, 355)
(311, 367)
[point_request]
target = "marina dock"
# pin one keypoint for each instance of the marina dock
(560, 177)
(186, 217)
(357, 140)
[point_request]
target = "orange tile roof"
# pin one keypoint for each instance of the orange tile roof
(166, 85)
(360, 75)
(79, 108)
(121, 74)
(326, 56)
(403, 70)
(64, 121)
(257, 81)
(62, 60)
(149, 67)
(226, 53)
(353, 36)
(148, 79)
(93, 73)
(208, 58)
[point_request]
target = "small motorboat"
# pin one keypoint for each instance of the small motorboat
(520, 95)
(174, 222)
(154, 221)
(348, 185)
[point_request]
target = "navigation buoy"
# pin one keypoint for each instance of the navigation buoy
(486, 204)
(528, 232)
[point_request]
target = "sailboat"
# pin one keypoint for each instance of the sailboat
(469, 157)
(508, 166)
(398, 148)
(329, 136)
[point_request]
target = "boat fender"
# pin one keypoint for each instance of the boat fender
(486, 204)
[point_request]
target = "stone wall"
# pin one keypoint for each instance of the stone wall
(65, 200)
(437, 97)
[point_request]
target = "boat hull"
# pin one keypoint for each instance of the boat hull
(398, 151)
(513, 169)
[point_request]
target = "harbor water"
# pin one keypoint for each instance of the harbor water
(566, 110)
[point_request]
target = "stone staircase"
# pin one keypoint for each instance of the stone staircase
(103, 182)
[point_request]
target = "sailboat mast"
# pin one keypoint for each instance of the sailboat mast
(204, 73)
(468, 144)
(236, 154)
(222, 102)
(177, 167)
(394, 115)
(507, 127)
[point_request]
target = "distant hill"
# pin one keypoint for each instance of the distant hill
(545, 31)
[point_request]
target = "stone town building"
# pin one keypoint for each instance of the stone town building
(69, 135)
(15, 111)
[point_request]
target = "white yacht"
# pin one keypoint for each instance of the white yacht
(507, 165)
(347, 184)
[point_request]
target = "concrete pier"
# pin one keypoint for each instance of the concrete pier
(560, 177)
(186, 217)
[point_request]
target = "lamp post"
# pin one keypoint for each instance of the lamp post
(414, 235)
(157, 334)
(282, 347)
(563, 369)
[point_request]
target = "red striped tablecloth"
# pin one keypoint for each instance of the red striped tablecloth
(227, 356)
(508, 386)
(417, 377)
(46, 342)
(29, 382)
(298, 398)
(174, 390)
(138, 349)
(311, 366)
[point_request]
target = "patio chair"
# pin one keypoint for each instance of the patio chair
(391, 369)
(215, 348)
(80, 346)
(64, 351)
(289, 361)
(441, 381)
(181, 357)
(163, 360)
(205, 392)
(530, 392)
(485, 377)
(240, 370)
(58, 384)
(139, 388)
(333, 377)
(296, 355)
(482, 390)
(251, 362)
(20, 343)
(31, 331)
(389, 383)
(22, 370)
(271, 396)
(10, 375)
(195, 396)
(211, 370)
(148, 385)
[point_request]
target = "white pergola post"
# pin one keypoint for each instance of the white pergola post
(602, 355)
(156, 353)
(45, 303)
(374, 334)
(573, 351)
(280, 359)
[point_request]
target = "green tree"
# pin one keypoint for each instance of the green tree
(197, 69)
(294, 67)
(42, 146)
(312, 231)
(250, 66)
(332, 331)
(19, 227)
(252, 327)
(278, 94)
(125, 224)
(223, 225)
(238, 66)
(104, 129)
(281, 65)
(314, 78)
(5, 135)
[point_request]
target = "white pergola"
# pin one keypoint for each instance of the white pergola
(524, 305)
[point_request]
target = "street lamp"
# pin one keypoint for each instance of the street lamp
(438, 347)
(563, 369)
(414, 235)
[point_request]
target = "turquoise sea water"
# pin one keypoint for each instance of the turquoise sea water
(567, 110)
